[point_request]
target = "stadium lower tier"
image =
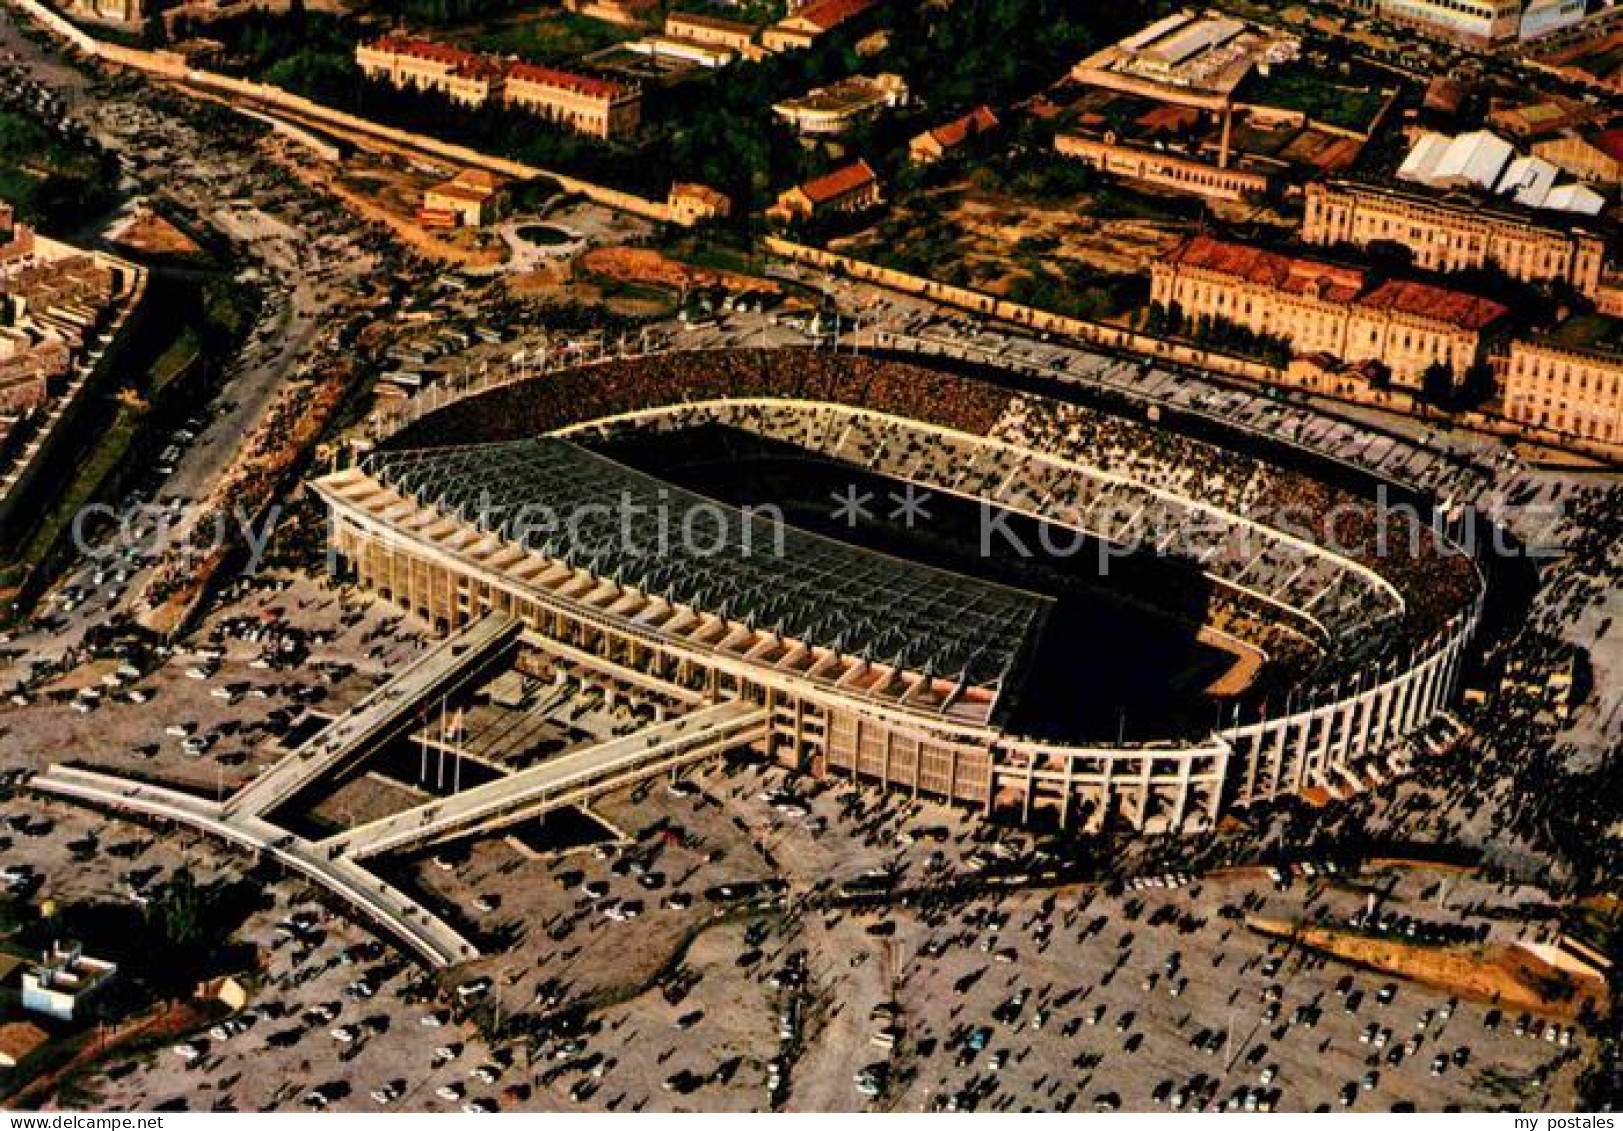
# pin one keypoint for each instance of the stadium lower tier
(832, 714)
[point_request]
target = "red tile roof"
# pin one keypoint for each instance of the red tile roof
(829, 14)
(460, 61)
(1271, 269)
(978, 121)
(1336, 283)
(1404, 296)
(841, 182)
(552, 77)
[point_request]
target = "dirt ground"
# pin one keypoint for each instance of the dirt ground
(147, 233)
(647, 267)
(1499, 974)
(391, 197)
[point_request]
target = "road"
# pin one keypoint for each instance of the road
(391, 909)
(305, 259)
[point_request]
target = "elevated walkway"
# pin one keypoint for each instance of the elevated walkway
(456, 661)
(392, 910)
(571, 779)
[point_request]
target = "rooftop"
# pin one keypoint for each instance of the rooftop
(588, 85)
(829, 14)
(570, 505)
(1337, 283)
(1592, 333)
(462, 62)
(846, 179)
(1330, 281)
(978, 121)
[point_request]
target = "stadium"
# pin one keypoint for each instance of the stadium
(1101, 622)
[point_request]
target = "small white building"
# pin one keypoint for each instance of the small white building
(63, 981)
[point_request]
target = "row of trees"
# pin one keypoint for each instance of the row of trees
(1439, 386)
(1170, 321)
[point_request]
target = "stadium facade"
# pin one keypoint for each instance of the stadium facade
(885, 670)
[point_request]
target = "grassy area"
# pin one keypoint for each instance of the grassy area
(177, 359)
(50, 180)
(551, 37)
(56, 526)
(715, 251)
(1348, 102)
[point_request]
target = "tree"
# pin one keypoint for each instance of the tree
(178, 913)
(1477, 385)
(1437, 384)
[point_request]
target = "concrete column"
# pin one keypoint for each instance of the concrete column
(1182, 804)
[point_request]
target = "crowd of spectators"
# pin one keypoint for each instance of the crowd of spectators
(1435, 580)
(627, 385)
(1124, 480)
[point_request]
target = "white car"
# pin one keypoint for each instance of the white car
(450, 1093)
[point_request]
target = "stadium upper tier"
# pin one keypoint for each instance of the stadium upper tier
(567, 504)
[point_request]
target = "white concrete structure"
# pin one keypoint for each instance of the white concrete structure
(453, 663)
(62, 984)
(417, 928)
(569, 779)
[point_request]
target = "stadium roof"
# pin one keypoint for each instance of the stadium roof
(563, 502)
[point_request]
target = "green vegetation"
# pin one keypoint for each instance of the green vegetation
(995, 51)
(920, 238)
(1346, 101)
(1218, 334)
(451, 13)
(50, 180)
(551, 37)
(308, 53)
